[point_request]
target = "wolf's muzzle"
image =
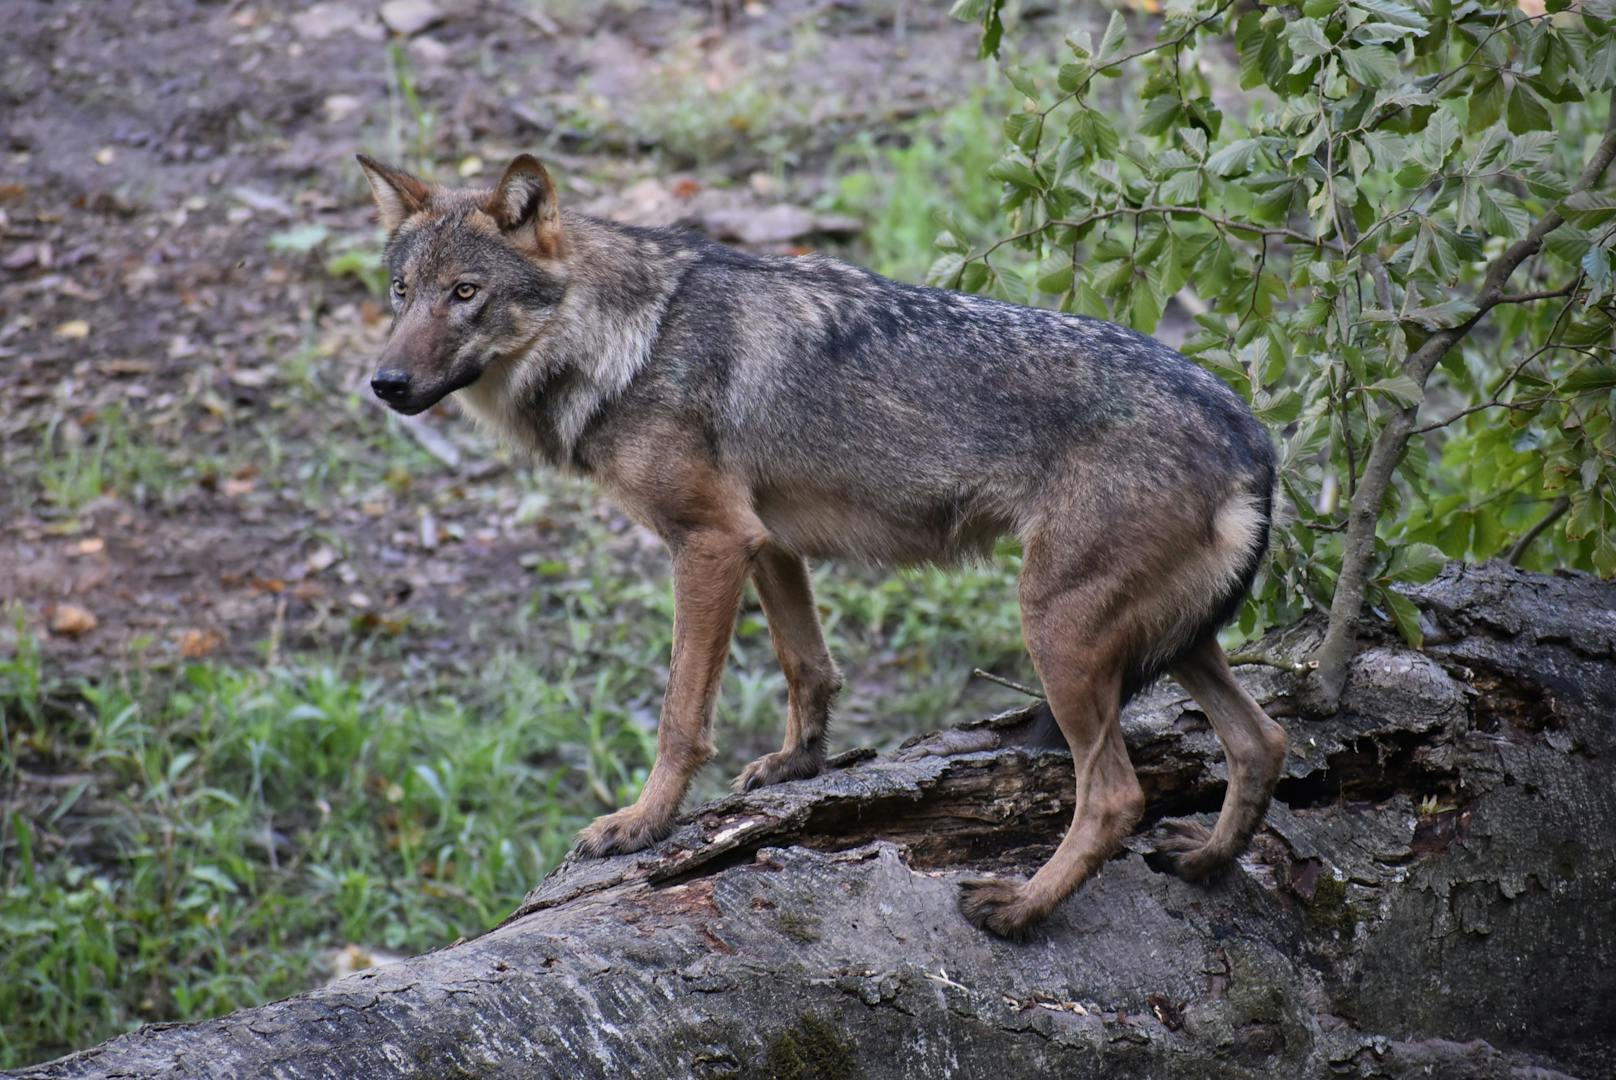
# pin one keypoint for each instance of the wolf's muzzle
(392, 386)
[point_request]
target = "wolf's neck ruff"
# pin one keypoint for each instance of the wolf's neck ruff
(587, 350)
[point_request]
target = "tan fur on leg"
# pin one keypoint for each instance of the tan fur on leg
(812, 680)
(1255, 748)
(1080, 662)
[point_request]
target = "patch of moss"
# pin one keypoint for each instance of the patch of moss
(803, 928)
(812, 1050)
(1329, 909)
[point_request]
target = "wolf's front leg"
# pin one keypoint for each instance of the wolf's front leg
(709, 571)
(812, 680)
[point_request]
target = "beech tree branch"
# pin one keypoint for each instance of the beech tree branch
(1358, 552)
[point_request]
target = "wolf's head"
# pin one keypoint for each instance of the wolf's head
(476, 275)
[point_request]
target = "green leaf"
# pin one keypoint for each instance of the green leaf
(1021, 79)
(1015, 172)
(1441, 132)
(1116, 32)
(1400, 388)
(1372, 65)
(946, 269)
(1234, 159)
(1502, 213)
(1023, 129)
(1527, 112)
(1441, 316)
(1589, 208)
(1085, 301)
(1393, 12)
(1589, 379)
(1307, 41)
(1596, 264)
(1383, 33)
(1405, 614)
(1568, 244)
(1416, 563)
(1073, 75)
(986, 12)
(1181, 189)
(1160, 115)
(1057, 278)
(1145, 307)
(1094, 130)
(1486, 103)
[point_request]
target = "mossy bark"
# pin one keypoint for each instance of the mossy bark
(1434, 895)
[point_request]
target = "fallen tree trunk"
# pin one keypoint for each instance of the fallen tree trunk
(1433, 895)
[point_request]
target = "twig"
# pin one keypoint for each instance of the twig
(1002, 681)
(1547, 294)
(1295, 667)
(1518, 551)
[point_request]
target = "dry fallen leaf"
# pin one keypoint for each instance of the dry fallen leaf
(236, 488)
(92, 545)
(71, 620)
(73, 328)
(195, 644)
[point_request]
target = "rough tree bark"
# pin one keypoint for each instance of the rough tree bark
(1434, 895)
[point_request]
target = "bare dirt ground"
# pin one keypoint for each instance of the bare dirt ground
(186, 458)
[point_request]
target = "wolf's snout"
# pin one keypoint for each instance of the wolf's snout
(391, 386)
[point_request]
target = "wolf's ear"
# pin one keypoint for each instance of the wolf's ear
(398, 194)
(525, 199)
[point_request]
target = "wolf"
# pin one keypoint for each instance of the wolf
(756, 412)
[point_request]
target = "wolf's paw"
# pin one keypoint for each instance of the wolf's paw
(998, 906)
(777, 768)
(1185, 849)
(621, 832)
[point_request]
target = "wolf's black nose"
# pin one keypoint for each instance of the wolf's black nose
(390, 385)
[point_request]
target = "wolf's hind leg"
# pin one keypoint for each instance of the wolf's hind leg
(1080, 657)
(811, 677)
(1255, 748)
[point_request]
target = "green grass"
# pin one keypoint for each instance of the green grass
(105, 454)
(183, 842)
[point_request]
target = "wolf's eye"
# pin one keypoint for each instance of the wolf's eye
(465, 291)
(398, 286)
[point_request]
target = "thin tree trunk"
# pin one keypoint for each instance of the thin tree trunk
(1358, 546)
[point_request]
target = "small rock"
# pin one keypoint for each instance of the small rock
(71, 620)
(324, 20)
(21, 257)
(338, 107)
(430, 51)
(410, 17)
